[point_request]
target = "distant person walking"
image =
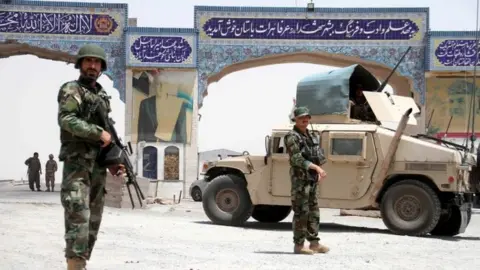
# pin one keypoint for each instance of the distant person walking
(34, 171)
(50, 169)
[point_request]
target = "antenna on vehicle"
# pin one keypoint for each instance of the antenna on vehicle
(448, 127)
(430, 120)
(385, 82)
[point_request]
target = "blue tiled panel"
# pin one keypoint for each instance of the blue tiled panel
(161, 47)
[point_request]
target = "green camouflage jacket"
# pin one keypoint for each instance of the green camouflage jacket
(80, 126)
(296, 143)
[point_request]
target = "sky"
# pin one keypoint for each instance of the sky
(263, 96)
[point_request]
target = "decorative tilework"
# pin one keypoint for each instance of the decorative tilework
(24, 22)
(346, 31)
(452, 51)
(213, 58)
(229, 35)
(161, 47)
(309, 29)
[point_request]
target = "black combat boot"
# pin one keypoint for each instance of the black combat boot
(48, 190)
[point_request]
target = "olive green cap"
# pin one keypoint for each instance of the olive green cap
(91, 50)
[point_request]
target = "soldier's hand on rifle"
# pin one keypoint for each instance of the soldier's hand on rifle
(106, 138)
(117, 170)
(321, 173)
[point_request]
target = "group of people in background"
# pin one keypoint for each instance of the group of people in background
(35, 170)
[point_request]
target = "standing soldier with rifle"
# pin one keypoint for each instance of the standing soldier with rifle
(306, 158)
(82, 137)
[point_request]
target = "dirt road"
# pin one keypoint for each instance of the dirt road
(181, 238)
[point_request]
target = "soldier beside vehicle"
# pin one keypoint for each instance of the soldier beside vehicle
(305, 158)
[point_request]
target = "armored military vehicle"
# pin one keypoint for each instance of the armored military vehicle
(419, 183)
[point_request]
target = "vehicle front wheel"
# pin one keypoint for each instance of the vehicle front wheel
(226, 200)
(410, 207)
(270, 213)
(196, 194)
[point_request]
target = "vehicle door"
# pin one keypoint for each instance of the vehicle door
(280, 184)
(351, 160)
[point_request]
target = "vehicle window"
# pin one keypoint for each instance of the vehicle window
(346, 147)
(278, 145)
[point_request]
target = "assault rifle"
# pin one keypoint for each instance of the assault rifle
(318, 157)
(116, 153)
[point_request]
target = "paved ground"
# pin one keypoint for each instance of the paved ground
(181, 238)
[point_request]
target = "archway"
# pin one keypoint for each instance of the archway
(235, 38)
(28, 27)
(246, 105)
(255, 36)
(401, 85)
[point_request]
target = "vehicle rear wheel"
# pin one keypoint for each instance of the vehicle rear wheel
(450, 222)
(270, 213)
(226, 200)
(196, 194)
(411, 208)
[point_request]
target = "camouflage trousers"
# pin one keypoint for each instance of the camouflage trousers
(50, 179)
(83, 197)
(306, 217)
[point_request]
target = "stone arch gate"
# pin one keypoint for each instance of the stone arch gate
(223, 40)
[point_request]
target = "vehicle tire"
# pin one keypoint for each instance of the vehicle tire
(270, 213)
(226, 200)
(469, 215)
(410, 207)
(450, 222)
(196, 194)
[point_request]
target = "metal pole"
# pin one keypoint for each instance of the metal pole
(472, 138)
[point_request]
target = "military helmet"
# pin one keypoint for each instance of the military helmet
(91, 50)
(50, 156)
(301, 111)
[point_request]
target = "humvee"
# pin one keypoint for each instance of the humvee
(419, 183)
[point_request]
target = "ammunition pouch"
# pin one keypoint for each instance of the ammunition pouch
(111, 155)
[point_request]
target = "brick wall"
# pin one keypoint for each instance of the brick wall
(117, 193)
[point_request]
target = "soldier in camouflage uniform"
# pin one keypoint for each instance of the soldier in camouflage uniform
(50, 169)
(359, 107)
(299, 143)
(34, 171)
(82, 137)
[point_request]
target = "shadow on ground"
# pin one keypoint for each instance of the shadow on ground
(336, 228)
